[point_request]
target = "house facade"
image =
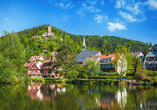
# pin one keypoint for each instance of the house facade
(105, 63)
(139, 55)
(150, 61)
(34, 70)
(48, 64)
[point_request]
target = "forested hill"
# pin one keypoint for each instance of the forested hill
(111, 43)
(35, 46)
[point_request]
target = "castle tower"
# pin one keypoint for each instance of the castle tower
(84, 44)
(49, 29)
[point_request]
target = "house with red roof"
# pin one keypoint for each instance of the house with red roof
(48, 64)
(106, 65)
(105, 62)
(37, 36)
(34, 70)
(35, 58)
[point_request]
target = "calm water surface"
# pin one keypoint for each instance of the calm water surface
(36, 96)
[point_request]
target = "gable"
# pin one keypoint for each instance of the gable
(153, 51)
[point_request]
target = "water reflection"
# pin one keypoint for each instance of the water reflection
(77, 97)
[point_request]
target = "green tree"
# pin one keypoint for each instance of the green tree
(48, 55)
(103, 50)
(65, 59)
(49, 70)
(52, 46)
(150, 44)
(93, 67)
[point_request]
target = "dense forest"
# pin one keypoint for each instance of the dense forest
(35, 46)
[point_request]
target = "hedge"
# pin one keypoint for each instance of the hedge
(109, 77)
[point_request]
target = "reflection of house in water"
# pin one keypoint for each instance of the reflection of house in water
(149, 104)
(34, 91)
(45, 92)
(108, 101)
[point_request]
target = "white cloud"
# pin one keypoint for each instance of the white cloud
(6, 19)
(84, 9)
(90, 7)
(106, 17)
(71, 7)
(64, 6)
(115, 26)
(83, 4)
(65, 18)
(102, 2)
(95, 10)
(118, 4)
(92, 2)
(99, 18)
(152, 4)
(80, 12)
(127, 16)
(134, 9)
(68, 4)
(61, 4)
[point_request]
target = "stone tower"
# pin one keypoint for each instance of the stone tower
(49, 29)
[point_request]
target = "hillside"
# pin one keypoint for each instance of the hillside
(35, 46)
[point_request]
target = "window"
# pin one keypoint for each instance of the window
(149, 58)
(155, 50)
(155, 58)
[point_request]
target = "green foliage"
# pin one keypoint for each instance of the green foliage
(65, 59)
(150, 44)
(45, 75)
(12, 58)
(72, 74)
(103, 50)
(93, 67)
(49, 70)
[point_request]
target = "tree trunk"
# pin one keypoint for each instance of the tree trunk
(121, 77)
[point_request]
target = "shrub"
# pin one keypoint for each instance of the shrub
(115, 74)
(45, 75)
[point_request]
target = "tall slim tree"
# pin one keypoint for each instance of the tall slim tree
(150, 44)
(103, 50)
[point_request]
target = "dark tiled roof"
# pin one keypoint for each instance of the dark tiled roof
(93, 57)
(136, 53)
(86, 53)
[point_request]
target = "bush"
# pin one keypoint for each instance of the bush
(115, 74)
(109, 77)
(45, 75)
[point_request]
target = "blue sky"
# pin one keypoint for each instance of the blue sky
(131, 19)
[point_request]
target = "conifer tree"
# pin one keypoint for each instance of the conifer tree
(103, 50)
(150, 44)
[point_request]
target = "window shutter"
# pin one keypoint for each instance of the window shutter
(153, 65)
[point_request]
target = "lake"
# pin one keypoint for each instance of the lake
(37, 96)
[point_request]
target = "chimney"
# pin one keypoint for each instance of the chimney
(84, 45)
(91, 55)
(49, 29)
(150, 48)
